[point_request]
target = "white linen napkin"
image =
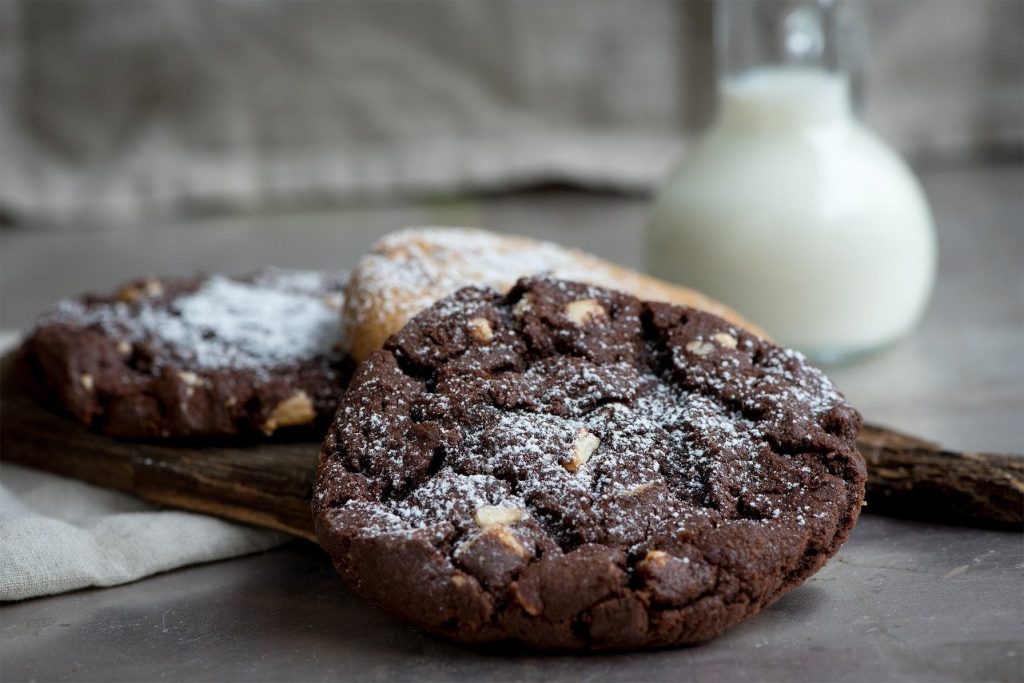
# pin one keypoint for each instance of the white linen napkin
(59, 534)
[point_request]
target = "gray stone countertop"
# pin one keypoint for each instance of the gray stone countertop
(902, 601)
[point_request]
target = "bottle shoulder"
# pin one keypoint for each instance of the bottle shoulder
(808, 157)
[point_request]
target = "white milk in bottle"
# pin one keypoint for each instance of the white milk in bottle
(789, 209)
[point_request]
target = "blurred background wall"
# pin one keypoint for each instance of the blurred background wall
(121, 111)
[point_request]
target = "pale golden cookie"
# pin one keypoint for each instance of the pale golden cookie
(407, 271)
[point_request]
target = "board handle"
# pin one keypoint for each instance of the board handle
(918, 479)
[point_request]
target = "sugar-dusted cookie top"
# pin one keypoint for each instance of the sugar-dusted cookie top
(572, 468)
(205, 356)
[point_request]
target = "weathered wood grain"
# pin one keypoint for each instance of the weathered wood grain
(910, 477)
(266, 484)
(270, 484)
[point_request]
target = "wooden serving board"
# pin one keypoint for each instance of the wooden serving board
(270, 484)
(266, 484)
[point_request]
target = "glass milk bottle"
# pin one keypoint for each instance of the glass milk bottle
(789, 209)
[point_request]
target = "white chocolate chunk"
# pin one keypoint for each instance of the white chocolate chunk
(297, 409)
(491, 515)
(583, 446)
(726, 340)
(190, 378)
(480, 329)
(657, 556)
(501, 533)
(639, 488)
(143, 290)
(700, 348)
(584, 310)
(522, 306)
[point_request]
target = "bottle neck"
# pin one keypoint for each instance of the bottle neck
(754, 34)
(783, 97)
(783, 63)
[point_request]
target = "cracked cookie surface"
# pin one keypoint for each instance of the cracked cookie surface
(194, 357)
(571, 468)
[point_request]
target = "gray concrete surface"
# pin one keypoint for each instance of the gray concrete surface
(903, 601)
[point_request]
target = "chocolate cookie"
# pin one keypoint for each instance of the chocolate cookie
(572, 468)
(407, 271)
(199, 357)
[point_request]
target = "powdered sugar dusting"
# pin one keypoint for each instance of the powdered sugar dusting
(432, 263)
(276, 318)
(409, 270)
(699, 441)
(625, 476)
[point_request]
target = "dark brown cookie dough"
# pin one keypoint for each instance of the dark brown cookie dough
(200, 357)
(572, 468)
